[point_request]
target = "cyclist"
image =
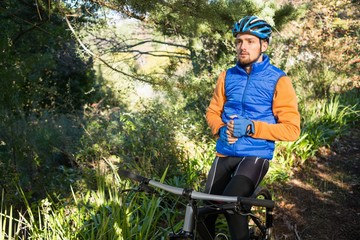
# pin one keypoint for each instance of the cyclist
(254, 104)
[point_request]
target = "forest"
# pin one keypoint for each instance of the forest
(91, 86)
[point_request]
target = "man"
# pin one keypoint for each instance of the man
(254, 105)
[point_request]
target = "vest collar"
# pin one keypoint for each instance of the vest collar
(258, 66)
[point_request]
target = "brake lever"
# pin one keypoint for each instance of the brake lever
(143, 187)
(146, 188)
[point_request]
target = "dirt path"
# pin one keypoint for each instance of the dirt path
(322, 201)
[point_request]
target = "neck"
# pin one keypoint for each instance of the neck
(248, 67)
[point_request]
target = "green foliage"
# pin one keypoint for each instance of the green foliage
(103, 213)
(310, 51)
(37, 150)
(44, 77)
(58, 120)
(201, 28)
(9, 226)
(328, 119)
(284, 15)
(41, 66)
(315, 81)
(138, 138)
(321, 124)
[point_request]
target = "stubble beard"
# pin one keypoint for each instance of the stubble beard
(244, 60)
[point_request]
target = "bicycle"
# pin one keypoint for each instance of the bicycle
(258, 207)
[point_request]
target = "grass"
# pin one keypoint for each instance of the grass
(151, 141)
(106, 211)
(322, 122)
(10, 227)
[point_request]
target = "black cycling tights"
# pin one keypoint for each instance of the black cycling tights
(233, 176)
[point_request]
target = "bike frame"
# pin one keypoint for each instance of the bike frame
(232, 202)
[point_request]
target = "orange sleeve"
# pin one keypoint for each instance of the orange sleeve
(285, 109)
(216, 106)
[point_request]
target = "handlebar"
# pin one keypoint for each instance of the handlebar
(197, 195)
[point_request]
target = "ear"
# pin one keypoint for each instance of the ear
(264, 45)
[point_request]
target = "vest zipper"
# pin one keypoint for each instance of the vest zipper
(244, 95)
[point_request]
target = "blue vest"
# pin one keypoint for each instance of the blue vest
(250, 96)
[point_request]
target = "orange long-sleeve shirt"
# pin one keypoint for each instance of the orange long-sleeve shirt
(285, 110)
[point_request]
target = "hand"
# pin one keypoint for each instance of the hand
(240, 126)
(226, 136)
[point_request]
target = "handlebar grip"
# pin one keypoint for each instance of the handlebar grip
(132, 176)
(258, 202)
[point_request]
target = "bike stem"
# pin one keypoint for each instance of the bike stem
(188, 226)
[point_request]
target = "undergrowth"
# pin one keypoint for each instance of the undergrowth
(42, 156)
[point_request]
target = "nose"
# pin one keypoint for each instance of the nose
(243, 46)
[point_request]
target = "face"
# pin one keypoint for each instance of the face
(248, 48)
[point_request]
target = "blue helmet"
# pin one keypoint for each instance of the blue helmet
(253, 25)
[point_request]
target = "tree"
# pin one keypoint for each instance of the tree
(41, 65)
(200, 27)
(42, 71)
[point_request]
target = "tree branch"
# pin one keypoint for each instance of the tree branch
(121, 9)
(124, 47)
(160, 42)
(158, 54)
(88, 51)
